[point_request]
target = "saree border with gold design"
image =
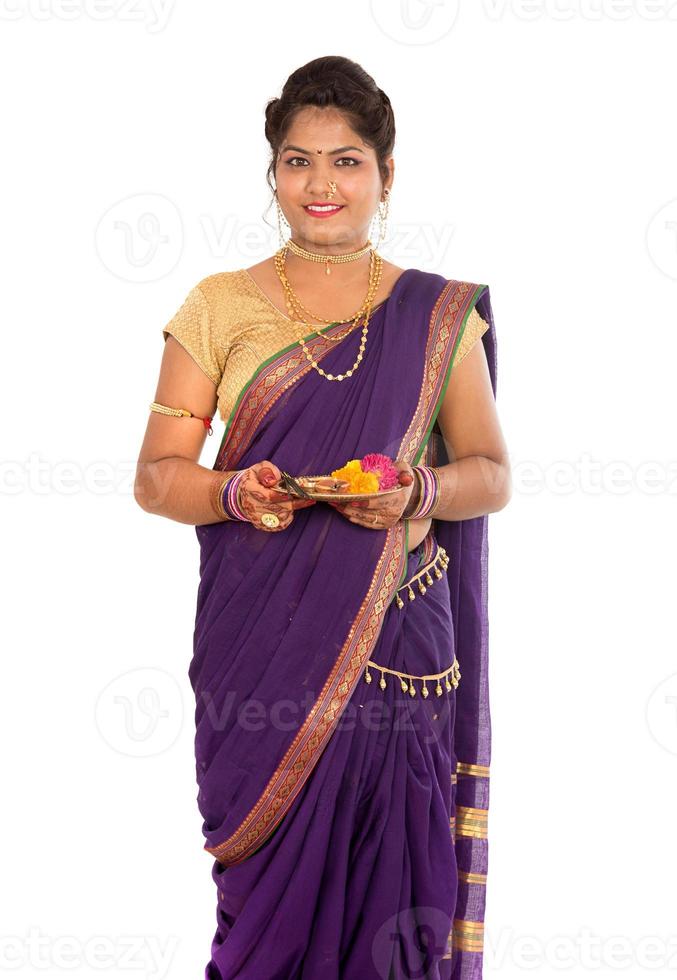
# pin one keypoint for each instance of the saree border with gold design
(468, 545)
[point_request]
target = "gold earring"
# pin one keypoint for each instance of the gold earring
(383, 212)
(280, 219)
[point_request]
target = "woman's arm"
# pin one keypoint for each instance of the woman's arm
(169, 481)
(477, 480)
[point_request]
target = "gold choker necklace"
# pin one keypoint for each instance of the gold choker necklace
(322, 257)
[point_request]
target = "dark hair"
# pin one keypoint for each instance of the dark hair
(340, 83)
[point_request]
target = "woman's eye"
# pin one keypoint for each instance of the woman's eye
(353, 162)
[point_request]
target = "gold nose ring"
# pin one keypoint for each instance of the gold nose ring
(332, 190)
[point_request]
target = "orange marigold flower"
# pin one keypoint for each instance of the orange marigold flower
(364, 483)
(376, 475)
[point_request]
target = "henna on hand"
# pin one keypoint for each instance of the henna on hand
(256, 497)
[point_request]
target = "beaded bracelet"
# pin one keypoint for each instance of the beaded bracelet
(429, 485)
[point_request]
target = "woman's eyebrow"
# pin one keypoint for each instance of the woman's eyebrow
(341, 149)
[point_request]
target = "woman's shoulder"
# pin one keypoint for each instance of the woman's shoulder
(233, 299)
(475, 325)
(221, 287)
(436, 280)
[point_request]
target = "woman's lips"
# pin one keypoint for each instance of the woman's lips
(323, 214)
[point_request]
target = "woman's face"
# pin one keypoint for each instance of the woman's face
(302, 176)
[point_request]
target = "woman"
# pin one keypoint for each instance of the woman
(340, 650)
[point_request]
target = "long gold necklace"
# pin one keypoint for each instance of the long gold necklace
(290, 295)
(294, 305)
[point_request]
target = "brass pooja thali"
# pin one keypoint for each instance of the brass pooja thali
(324, 487)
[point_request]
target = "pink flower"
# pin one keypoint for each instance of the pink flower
(387, 472)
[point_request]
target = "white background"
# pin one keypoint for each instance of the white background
(536, 153)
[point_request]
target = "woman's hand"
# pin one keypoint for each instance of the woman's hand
(255, 497)
(381, 512)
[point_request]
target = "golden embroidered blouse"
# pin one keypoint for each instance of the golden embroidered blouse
(229, 327)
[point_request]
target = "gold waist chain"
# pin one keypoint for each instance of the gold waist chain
(439, 564)
(407, 680)
(452, 675)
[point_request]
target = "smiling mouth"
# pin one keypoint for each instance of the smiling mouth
(322, 209)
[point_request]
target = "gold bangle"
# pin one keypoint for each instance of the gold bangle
(216, 494)
(179, 412)
(166, 410)
(438, 490)
(417, 483)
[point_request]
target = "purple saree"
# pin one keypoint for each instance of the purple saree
(347, 822)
